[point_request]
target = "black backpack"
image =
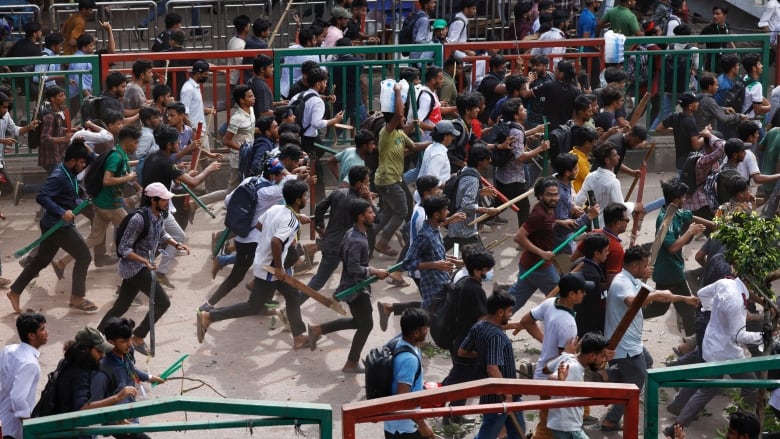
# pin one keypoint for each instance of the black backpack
(677, 73)
(47, 403)
(735, 96)
(93, 176)
(34, 135)
(497, 135)
(406, 35)
(298, 106)
(379, 369)
(120, 230)
(560, 139)
(90, 108)
(688, 172)
(241, 207)
(444, 308)
(451, 187)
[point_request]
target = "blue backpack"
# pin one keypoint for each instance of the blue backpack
(241, 207)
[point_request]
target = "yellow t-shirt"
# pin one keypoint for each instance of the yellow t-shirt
(583, 166)
(392, 145)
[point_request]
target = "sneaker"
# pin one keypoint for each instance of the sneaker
(18, 192)
(589, 420)
(162, 279)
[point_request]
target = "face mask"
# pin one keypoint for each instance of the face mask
(488, 276)
(203, 79)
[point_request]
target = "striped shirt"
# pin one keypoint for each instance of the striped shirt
(493, 347)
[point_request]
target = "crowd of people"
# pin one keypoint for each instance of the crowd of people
(418, 172)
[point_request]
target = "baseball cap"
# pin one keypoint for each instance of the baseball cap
(446, 127)
(734, 145)
(158, 190)
(688, 98)
(575, 282)
(93, 338)
(339, 12)
(439, 23)
(200, 66)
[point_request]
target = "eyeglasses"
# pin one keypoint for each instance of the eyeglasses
(628, 220)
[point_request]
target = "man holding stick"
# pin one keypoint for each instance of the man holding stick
(59, 195)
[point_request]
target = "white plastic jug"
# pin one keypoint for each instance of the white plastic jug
(387, 95)
(614, 47)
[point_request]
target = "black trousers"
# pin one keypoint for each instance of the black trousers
(245, 255)
(142, 282)
(362, 320)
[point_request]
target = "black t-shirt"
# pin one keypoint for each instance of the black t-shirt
(471, 304)
(160, 168)
(264, 97)
(109, 102)
(557, 99)
(346, 78)
(296, 88)
(619, 140)
(591, 312)
(488, 89)
(684, 127)
(23, 47)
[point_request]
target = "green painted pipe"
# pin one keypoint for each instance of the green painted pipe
(197, 200)
(54, 228)
(555, 250)
(364, 283)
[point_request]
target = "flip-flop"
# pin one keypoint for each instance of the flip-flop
(389, 252)
(86, 306)
(616, 427)
(142, 348)
(383, 316)
(199, 325)
(303, 345)
(4, 282)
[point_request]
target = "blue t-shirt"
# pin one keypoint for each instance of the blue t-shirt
(347, 159)
(587, 23)
(405, 367)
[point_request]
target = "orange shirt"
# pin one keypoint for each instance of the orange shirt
(73, 28)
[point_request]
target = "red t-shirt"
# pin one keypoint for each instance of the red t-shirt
(539, 226)
(614, 263)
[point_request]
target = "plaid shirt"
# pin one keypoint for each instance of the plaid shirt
(706, 164)
(52, 151)
(427, 247)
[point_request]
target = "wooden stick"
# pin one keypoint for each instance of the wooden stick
(501, 197)
(511, 202)
(554, 291)
(311, 292)
(546, 160)
(639, 217)
(639, 110)
(279, 23)
(41, 86)
(165, 73)
(643, 168)
(496, 243)
(196, 152)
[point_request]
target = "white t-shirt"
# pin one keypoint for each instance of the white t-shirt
(559, 328)
(748, 167)
(436, 163)
(771, 19)
(278, 222)
(236, 43)
(267, 197)
(570, 418)
(754, 94)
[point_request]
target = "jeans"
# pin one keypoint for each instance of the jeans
(362, 320)
(225, 260)
(261, 294)
(694, 399)
(329, 263)
(161, 13)
(687, 312)
(393, 211)
(68, 239)
(579, 434)
(628, 370)
(544, 278)
(493, 422)
(172, 228)
(667, 108)
(245, 255)
(142, 282)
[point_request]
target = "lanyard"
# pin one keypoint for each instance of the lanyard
(71, 180)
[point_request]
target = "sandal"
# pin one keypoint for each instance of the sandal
(400, 283)
(389, 251)
(142, 348)
(86, 306)
(201, 331)
(4, 282)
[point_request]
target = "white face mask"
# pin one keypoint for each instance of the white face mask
(488, 276)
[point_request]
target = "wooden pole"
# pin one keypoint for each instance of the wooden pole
(509, 203)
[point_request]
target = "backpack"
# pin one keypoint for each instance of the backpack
(688, 172)
(34, 136)
(90, 108)
(93, 176)
(451, 187)
(379, 369)
(560, 139)
(636, 67)
(718, 187)
(245, 156)
(676, 73)
(298, 106)
(120, 229)
(241, 207)
(497, 135)
(406, 35)
(374, 123)
(47, 403)
(444, 307)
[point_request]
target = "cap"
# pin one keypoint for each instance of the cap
(274, 166)
(200, 66)
(439, 23)
(575, 282)
(734, 145)
(339, 12)
(158, 190)
(93, 338)
(446, 127)
(688, 98)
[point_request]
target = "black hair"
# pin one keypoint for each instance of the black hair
(80, 355)
(636, 254)
(289, 138)
(499, 300)
(118, 328)
(615, 74)
(478, 259)
(594, 242)
(565, 161)
(464, 102)
(522, 7)
(84, 40)
(673, 189)
(542, 184)
(437, 136)
(467, 4)
(357, 174)
(411, 74)
(639, 132)
(239, 92)
(141, 66)
(260, 25)
(160, 90)
(593, 343)
(241, 22)
(413, 319)
(87, 4)
(110, 117)
(724, 10)
(176, 106)
(707, 80)
(115, 79)
(434, 204)
(53, 91)
(746, 128)
(289, 127)
(357, 207)
(343, 42)
(53, 39)
(432, 72)
(581, 135)
(509, 109)
(172, 19)
(682, 29)
(749, 61)
(4, 99)
(744, 422)
(293, 190)
(77, 150)
(292, 152)
(614, 212)
(602, 151)
(581, 103)
(728, 61)
(478, 153)
(128, 132)
(497, 60)
(165, 135)
(514, 83)
(145, 114)
(559, 18)
(281, 112)
(260, 62)
(540, 59)
(611, 94)
(426, 183)
(264, 123)
(29, 323)
(317, 75)
(30, 28)
(364, 137)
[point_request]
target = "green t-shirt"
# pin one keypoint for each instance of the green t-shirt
(110, 197)
(770, 144)
(670, 267)
(391, 156)
(622, 20)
